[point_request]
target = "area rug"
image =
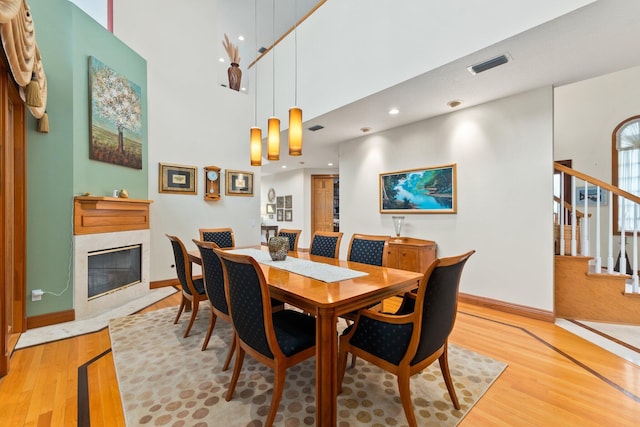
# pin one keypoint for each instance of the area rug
(165, 379)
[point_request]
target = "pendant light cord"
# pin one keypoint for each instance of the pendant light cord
(255, 71)
(295, 52)
(273, 34)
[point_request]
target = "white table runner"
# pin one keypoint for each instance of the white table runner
(315, 270)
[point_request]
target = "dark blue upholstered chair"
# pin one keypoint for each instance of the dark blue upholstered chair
(223, 237)
(277, 339)
(405, 344)
(214, 287)
(292, 235)
(326, 243)
(366, 249)
(192, 289)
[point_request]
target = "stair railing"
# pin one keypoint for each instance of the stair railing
(579, 179)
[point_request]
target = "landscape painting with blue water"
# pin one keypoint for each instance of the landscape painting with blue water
(428, 190)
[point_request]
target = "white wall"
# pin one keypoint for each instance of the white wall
(585, 115)
(192, 121)
(503, 152)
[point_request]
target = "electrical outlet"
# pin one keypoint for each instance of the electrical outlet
(36, 295)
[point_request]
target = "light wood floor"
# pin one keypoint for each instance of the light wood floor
(554, 378)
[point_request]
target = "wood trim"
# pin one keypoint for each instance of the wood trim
(164, 283)
(93, 215)
(520, 310)
(50, 319)
(595, 181)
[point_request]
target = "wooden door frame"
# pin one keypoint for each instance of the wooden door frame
(12, 217)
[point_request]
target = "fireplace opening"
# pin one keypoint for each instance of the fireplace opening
(113, 269)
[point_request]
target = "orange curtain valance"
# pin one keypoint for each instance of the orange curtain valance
(21, 50)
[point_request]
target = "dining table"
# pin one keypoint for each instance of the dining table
(327, 301)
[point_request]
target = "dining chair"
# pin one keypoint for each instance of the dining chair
(279, 340)
(214, 288)
(368, 249)
(326, 243)
(292, 235)
(223, 237)
(192, 288)
(405, 344)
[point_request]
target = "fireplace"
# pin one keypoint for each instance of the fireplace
(111, 253)
(112, 269)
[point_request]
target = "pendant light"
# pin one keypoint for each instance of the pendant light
(255, 136)
(273, 128)
(295, 113)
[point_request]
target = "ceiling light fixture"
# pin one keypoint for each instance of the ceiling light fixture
(255, 135)
(295, 113)
(273, 126)
(455, 103)
(394, 111)
(365, 129)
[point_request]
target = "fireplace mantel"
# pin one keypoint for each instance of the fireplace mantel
(93, 214)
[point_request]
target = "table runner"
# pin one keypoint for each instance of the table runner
(315, 270)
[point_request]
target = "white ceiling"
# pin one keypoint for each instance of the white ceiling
(592, 41)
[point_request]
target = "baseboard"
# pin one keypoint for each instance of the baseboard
(520, 310)
(50, 319)
(163, 283)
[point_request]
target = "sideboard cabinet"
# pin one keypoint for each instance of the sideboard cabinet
(406, 253)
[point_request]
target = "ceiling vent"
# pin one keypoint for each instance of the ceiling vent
(487, 65)
(315, 128)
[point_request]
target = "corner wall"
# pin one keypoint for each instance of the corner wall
(503, 151)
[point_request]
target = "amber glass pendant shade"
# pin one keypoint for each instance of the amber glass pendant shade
(295, 131)
(255, 146)
(273, 139)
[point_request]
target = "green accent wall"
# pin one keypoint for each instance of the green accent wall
(58, 164)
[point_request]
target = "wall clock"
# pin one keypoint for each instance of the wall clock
(271, 195)
(212, 183)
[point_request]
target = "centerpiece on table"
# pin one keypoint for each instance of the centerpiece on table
(278, 248)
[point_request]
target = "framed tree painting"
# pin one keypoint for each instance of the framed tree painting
(426, 190)
(116, 117)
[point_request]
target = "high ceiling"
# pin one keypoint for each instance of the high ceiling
(589, 42)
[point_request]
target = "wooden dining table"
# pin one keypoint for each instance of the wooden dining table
(328, 301)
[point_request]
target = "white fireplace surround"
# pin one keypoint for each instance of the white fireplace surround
(85, 243)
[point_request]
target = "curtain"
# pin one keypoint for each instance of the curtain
(19, 43)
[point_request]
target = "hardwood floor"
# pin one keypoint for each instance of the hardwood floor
(553, 378)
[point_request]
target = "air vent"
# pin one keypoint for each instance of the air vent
(315, 128)
(262, 50)
(487, 65)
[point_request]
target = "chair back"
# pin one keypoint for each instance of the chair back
(368, 249)
(437, 304)
(292, 235)
(326, 243)
(249, 302)
(223, 237)
(212, 275)
(183, 266)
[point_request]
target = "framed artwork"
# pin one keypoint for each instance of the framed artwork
(271, 208)
(288, 215)
(115, 130)
(288, 202)
(426, 190)
(280, 215)
(239, 183)
(592, 195)
(280, 202)
(177, 179)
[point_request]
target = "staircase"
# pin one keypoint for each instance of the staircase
(583, 288)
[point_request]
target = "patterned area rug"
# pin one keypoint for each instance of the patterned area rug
(165, 379)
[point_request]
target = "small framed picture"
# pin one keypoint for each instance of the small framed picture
(177, 179)
(288, 215)
(592, 196)
(279, 214)
(280, 202)
(239, 183)
(288, 202)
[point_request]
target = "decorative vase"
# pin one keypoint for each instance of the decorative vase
(397, 224)
(278, 248)
(235, 76)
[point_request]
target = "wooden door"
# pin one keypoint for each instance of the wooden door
(12, 218)
(322, 203)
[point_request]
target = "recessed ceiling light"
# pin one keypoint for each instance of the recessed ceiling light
(455, 103)
(394, 111)
(329, 164)
(241, 38)
(284, 166)
(221, 59)
(244, 89)
(365, 129)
